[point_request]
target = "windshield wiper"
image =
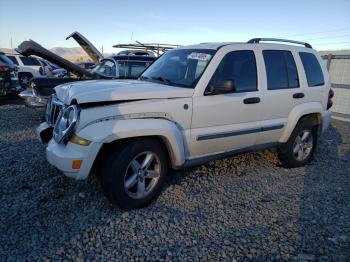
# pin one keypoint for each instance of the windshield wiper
(143, 78)
(161, 79)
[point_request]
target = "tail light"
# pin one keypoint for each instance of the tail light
(3, 68)
(41, 71)
(330, 96)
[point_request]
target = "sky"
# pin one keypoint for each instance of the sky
(325, 24)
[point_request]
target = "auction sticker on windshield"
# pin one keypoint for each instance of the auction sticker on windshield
(199, 56)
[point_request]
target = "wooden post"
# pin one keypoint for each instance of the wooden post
(329, 60)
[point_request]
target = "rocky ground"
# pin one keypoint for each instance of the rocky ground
(241, 208)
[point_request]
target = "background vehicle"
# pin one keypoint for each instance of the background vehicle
(28, 67)
(192, 105)
(123, 67)
(8, 76)
(86, 65)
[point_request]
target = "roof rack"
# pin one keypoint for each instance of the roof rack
(257, 40)
(149, 46)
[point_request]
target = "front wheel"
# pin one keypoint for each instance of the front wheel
(133, 175)
(300, 147)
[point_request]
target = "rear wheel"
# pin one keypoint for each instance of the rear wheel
(133, 175)
(301, 145)
(24, 79)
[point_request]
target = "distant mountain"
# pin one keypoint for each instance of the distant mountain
(7, 50)
(69, 51)
(73, 54)
(337, 52)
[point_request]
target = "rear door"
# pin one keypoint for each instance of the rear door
(282, 90)
(226, 122)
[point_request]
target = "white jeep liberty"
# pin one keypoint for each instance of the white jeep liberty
(194, 104)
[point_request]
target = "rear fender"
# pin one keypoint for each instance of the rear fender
(296, 114)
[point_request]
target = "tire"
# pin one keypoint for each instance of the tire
(24, 79)
(300, 146)
(133, 175)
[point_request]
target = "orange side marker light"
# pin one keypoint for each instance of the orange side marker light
(76, 164)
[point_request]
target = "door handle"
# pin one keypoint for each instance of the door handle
(251, 100)
(298, 95)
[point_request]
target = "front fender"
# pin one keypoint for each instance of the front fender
(111, 130)
(298, 112)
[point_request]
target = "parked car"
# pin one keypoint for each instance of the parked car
(58, 71)
(194, 104)
(123, 67)
(28, 67)
(8, 76)
(86, 65)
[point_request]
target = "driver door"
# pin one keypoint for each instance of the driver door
(228, 121)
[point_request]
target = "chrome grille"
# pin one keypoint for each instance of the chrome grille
(53, 109)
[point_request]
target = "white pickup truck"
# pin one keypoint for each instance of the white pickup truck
(194, 104)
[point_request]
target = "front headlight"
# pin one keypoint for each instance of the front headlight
(66, 123)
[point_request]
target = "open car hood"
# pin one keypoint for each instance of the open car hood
(30, 47)
(89, 48)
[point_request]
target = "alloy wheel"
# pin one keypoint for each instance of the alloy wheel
(303, 145)
(142, 175)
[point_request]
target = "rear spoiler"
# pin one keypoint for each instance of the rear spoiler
(30, 47)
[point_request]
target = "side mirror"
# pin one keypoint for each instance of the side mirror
(221, 87)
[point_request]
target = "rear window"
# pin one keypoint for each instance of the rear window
(5, 60)
(30, 61)
(13, 59)
(281, 70)
(312, 69)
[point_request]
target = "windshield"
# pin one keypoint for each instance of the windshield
(181, 67)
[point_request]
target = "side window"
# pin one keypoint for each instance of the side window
(240, 67)
(122, 70)
(136, 68)
(13, 59)
(312, 69)
(281, 70)
(30, 61)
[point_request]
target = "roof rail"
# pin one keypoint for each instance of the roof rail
(257, 40)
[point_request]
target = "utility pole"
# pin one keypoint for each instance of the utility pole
(132, 34)
(11, 46)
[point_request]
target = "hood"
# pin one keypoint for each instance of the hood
(117, 90)
(89, 48)
(30, 47)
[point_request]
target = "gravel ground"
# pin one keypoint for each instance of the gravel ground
(242, 208)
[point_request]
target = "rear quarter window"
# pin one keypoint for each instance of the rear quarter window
(30, 61)
(312, 68)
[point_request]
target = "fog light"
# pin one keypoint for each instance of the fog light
(78, 140)
(76, 164)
